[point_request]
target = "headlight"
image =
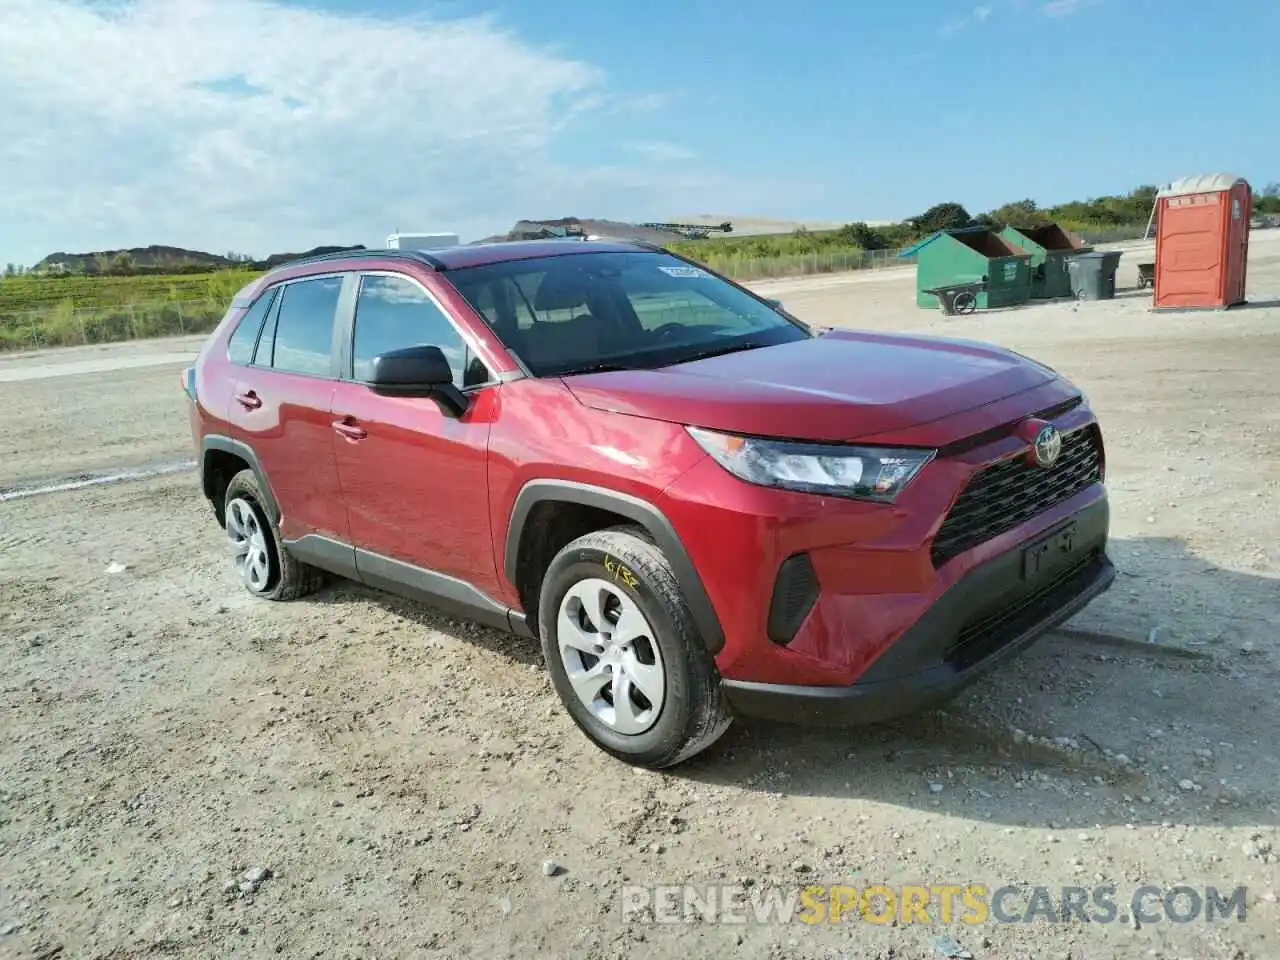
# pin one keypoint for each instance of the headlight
(837, 470)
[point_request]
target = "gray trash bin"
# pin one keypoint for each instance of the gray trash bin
(1093, 274)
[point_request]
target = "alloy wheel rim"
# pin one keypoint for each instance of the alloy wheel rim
(248, 545)
(610, 656)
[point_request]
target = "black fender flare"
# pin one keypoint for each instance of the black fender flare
(242, 450)
(639, 511)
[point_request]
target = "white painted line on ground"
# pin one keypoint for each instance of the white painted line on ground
(43, 371)
(142, 473)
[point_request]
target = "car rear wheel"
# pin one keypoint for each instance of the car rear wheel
(264, 567)
(624, 654)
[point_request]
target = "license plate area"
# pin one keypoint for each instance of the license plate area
(1049, 552)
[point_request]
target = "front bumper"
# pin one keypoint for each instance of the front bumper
(987, 615)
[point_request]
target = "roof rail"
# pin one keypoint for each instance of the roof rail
(633, 241)
(417, 256)
(646, 244)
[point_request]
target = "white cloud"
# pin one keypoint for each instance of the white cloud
(976, 15)
(1064, 8)
(661, 151)
(249, 125)
(649, 102)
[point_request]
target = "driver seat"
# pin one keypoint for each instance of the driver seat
(554, 341)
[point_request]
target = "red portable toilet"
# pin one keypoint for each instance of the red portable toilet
(1202, 242)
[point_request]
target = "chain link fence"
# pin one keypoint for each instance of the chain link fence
(802, 264)
(744, 268)
(66, 326)
(807, 264)
(1097, 236)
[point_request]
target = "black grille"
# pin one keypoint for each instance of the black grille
(794, 593)
(980, 638)
(1013, 491)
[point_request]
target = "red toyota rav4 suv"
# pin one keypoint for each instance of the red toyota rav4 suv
(698, 504)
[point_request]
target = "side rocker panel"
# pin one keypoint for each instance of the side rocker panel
(391, 576)
(337, 558)
(641, 512)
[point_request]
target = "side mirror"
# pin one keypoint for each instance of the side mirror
(776, 304)
(418, 371)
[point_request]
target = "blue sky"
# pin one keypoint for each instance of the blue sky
(256, 126)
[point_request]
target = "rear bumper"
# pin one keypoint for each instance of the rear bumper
(986, 616)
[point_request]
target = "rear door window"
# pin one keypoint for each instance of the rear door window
(302, 339)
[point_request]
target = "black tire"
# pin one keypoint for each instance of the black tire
(966, 303)
(288, 579)
(694, 713)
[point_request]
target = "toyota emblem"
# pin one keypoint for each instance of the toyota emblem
(1047, 446)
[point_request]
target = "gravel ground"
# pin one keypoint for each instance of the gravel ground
(185, 771)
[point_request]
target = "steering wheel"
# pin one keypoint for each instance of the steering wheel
(667, 328)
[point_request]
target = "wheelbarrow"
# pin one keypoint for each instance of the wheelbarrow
(958, 298)
(1146, 275)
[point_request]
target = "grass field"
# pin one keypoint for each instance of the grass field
(23, 294)
(53, 311)
(161, 718)
(66, 311)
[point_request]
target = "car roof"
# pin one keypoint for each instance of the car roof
(478, 254)
(442, 259)
(502, 251)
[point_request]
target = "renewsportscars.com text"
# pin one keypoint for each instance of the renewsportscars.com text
(970, 903)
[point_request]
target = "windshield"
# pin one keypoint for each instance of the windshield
(609, 310)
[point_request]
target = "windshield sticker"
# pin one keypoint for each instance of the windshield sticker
(691, 273)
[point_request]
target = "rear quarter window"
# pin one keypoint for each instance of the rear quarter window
(245, 336)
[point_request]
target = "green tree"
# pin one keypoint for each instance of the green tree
(1267, 200)
(1124, 210)
(942, 216)
(860, 235)
(1020, 213)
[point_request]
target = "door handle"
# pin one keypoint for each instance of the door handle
(249, 400)
(350, 429)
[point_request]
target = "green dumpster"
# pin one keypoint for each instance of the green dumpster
(1093, 275)
(971, 254)
(1050, 247)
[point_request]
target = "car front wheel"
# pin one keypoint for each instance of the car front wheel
(624, 653)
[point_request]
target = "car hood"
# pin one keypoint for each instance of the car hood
(841, 386)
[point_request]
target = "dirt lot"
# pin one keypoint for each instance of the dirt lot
(404, 777)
